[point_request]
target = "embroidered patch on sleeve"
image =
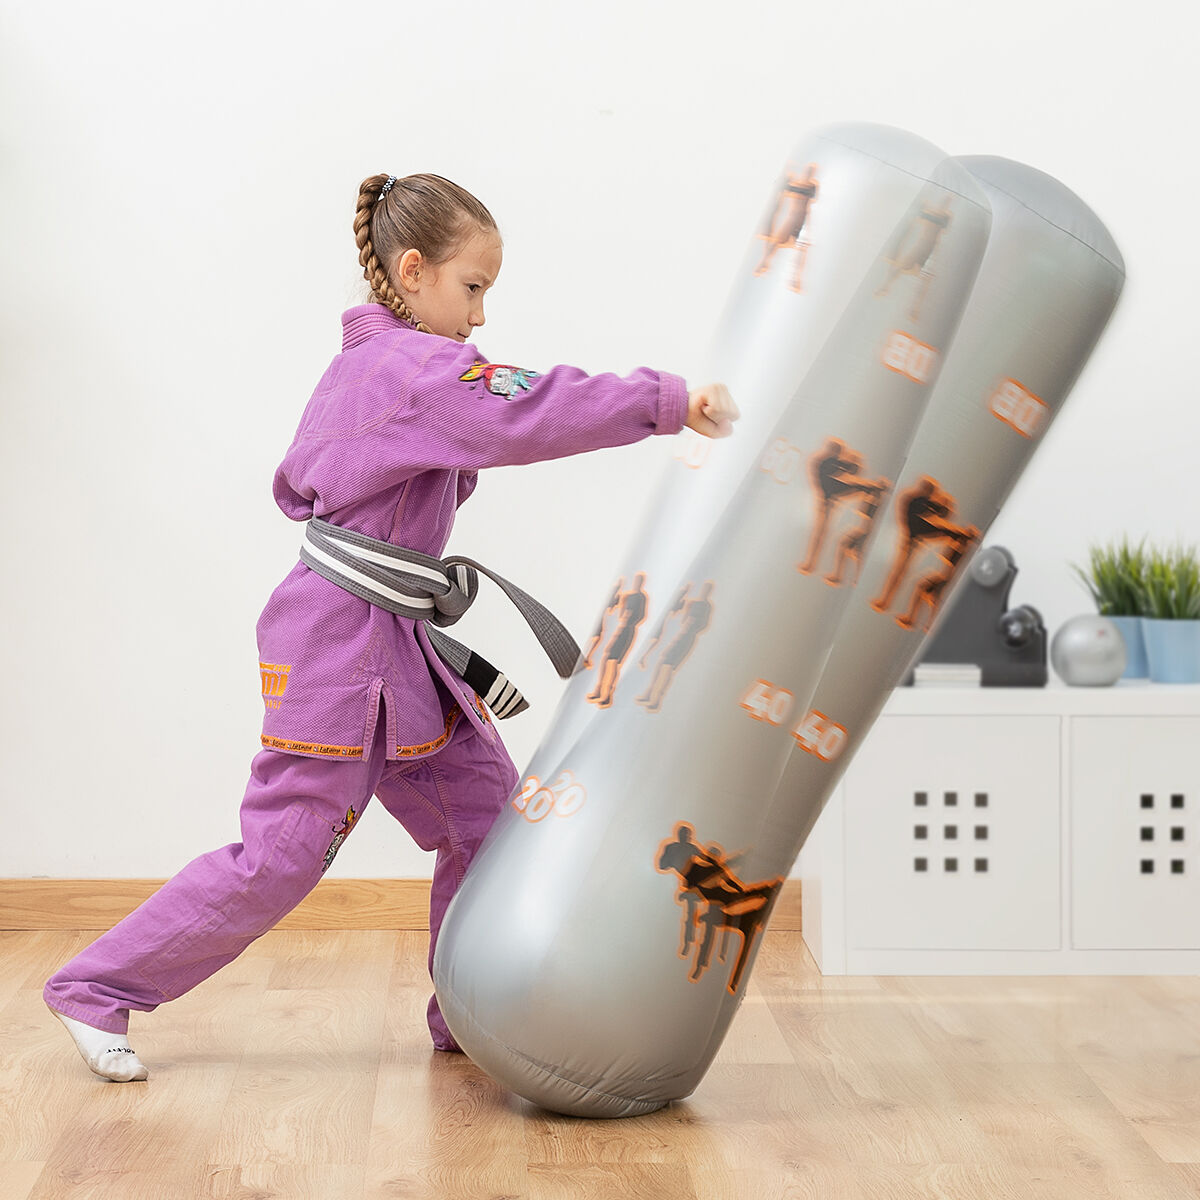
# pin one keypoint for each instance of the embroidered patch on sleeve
(501, 379)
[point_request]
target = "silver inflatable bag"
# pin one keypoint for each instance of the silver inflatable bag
(600, 944)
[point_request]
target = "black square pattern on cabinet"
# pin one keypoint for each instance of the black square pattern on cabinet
(948, 831)
(1163, 837)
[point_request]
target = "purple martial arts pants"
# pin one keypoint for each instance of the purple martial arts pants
(294, 811)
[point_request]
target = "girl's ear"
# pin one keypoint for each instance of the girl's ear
(408, 270)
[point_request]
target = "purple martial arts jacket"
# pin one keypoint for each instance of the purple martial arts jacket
(390, 445)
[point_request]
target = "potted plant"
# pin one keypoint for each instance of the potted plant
(1116, 578)
(1171, 615)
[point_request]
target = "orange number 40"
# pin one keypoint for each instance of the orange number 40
(766, 702)
(818, 735)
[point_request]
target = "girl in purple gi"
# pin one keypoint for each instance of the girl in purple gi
(359, 702)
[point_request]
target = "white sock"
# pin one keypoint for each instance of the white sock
(108, 1054)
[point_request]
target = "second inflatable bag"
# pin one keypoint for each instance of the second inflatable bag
(1049, 283)
(601, 942)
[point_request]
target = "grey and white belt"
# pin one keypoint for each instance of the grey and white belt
(438, 591)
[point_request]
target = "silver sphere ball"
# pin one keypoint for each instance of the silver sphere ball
(1088, 651)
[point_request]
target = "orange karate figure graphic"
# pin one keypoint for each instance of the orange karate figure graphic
(660, 629)
(850, 548)
(796, 198)
(916, 248)
(696, 618)
(631, 612)
(930, 590)
(834, 480)
(613, 601)
(923, 513)
(716, 900)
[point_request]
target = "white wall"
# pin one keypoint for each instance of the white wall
(178, 186)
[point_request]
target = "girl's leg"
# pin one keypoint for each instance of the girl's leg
(203, 918)
(448, 802)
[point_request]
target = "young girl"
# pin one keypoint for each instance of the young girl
(362, 698)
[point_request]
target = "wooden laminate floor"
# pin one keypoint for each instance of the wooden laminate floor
(303, 1071)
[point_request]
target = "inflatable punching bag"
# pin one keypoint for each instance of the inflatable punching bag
(1050, 280)
(601, 942)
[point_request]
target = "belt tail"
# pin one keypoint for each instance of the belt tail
(495, 688)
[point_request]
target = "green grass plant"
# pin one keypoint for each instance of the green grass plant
(1116, 578)
(1140, 581)
(1171, 585)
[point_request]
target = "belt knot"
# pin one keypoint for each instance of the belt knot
(438, 591)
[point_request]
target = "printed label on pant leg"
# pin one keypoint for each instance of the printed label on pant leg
(342, 834)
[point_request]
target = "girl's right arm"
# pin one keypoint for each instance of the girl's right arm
(453, 410)
(472, 413)
(466, 413)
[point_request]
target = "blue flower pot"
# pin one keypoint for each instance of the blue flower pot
(1136, 665)
(1173, 650)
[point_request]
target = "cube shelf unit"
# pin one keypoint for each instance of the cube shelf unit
(1014, 831)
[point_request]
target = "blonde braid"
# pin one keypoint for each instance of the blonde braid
(374, 273)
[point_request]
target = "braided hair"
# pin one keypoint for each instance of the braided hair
(417, 212)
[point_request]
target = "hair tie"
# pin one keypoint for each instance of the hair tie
(387, 187)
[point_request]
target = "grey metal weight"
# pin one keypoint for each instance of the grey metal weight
(1088, 651)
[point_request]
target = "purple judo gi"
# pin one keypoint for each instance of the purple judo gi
(357, 701)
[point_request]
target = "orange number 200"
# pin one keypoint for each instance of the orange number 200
(563, 798)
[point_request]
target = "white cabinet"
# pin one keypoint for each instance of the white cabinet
(952, 825)
(1135, 821)
(1014, 831)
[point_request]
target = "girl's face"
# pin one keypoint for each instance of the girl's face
(449, 297)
